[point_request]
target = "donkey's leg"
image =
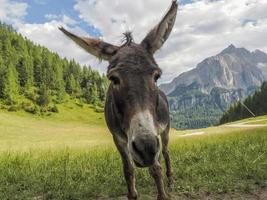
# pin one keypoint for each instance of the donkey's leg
(130, 178)
(155, 172)
(128, 169)
(165, 152)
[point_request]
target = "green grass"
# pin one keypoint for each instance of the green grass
(71, 155)
(74, 126)
(259, 121)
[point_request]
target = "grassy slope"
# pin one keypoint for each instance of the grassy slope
(74, 126)
(56, 157)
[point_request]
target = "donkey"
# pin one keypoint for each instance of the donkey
(136, 110)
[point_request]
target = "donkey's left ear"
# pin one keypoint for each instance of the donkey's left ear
(160, 33)
(96, 47)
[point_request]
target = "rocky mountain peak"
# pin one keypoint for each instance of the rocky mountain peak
(233, 68)
(230, 49)
(239, 52)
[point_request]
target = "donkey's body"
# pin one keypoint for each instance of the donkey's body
(136, 111)
(115, 126)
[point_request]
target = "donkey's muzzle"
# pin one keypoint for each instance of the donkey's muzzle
(145, 150)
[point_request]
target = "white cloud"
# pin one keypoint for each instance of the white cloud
(52, 16)
(12, 12)
(115, 17)
(68, 20)
(203, 28)
(64, 18)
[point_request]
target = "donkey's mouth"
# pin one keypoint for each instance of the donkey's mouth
(140, 162)
(143, 164)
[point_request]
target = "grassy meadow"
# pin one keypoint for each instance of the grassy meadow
(70, 155)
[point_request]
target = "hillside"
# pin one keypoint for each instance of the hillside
(36, 80)
(199, 97)
(257, 104)
(74, 126)
(71, 155)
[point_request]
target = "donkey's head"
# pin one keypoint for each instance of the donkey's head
(133, 73)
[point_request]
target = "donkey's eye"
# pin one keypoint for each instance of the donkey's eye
(156, 77)
(115, 80)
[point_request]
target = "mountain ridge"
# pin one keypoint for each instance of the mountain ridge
(228, 59)
(214, 84)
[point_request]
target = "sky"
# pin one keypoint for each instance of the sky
(203, 28)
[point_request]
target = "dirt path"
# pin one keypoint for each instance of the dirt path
(242, 125)
(193, 134)
(246, 124)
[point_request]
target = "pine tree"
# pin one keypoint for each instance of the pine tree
(44, 97)
(70, 85)
(103, 86)
(10, 86)
(6, 49)
(1, 77)
(59, 82)
(25, 70)
(37, 66)
(94, 95)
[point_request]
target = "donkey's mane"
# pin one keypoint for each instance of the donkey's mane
(127, 39)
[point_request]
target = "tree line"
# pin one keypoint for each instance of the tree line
(34, 79)
(257, 103)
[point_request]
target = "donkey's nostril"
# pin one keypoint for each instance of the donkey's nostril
(135, 148)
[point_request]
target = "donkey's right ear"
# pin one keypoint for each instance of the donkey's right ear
(160, 33)
(96, 47)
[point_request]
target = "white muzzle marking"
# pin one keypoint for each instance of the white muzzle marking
(142, 123)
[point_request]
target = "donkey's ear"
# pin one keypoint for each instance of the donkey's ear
(160, 33)
(96, 47)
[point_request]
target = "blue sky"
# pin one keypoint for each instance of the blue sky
(38, 10)
(203, 27)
